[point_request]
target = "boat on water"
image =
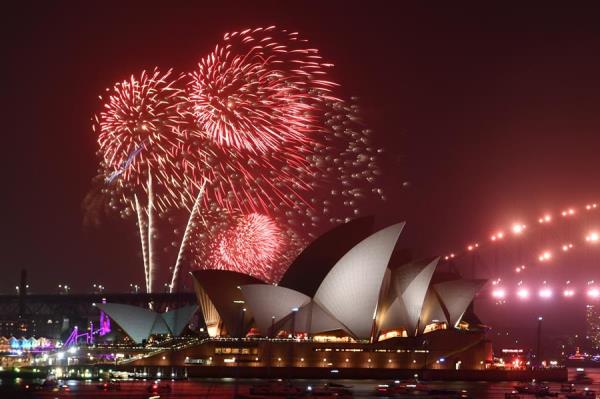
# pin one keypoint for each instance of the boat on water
(158, 387)
(413, 387)
(399, 387)
(568, 387)
(581, 378)
(109, 386)
(533, 388)
(333, 390)
(287, 389)
(51, 385)
(580, 360)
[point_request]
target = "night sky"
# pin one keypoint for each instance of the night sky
(491, 114)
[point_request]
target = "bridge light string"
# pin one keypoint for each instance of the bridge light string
(523, 293)
(544, 292)
(518, 229)
(501, 294)
(592, 237)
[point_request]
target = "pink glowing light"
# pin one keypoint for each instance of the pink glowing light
(499, 293)
(593, 293)
(592, 237)
(545, 256)
(518, 228)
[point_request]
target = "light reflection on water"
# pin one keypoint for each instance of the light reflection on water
(223, 388)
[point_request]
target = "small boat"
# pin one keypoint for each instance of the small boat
(512, 395)
(533, 389)
(582, 378)
(50, 383)
(567, 388)
(157, 387)
(399, 387)
(109, 386)
(330, 390)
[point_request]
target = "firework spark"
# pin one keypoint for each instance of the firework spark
(137, 134)
(251, 245)
(258, 90)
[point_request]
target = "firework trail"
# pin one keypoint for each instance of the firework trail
(150, 239)
(138, 140)
(143, 238)
(186, 237)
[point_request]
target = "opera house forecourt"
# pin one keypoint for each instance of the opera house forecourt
(348, 304)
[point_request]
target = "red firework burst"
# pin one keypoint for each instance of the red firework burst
(252, 245)
(137, 130)
(258, 90)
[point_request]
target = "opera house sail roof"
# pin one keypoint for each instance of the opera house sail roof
(407, 289)
(350, 291)
(221, 300)
(141, 323)
(357, 292)
(317, 259)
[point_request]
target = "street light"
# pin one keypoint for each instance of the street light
(592, 237)
(545, 256)
(538, 353)
(63, 289)
(294, 311)
(593, 293)
(242, 316)
(518, 228)
(98, 288)
(272, 327)
(134, 288)
(523, 293)
(545, 293)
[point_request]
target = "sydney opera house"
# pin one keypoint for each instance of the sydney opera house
(349, 300)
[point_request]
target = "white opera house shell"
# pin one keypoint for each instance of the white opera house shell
(360, 294)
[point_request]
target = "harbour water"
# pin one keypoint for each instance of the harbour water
(225, 388)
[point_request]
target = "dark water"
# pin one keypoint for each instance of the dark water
(224, 388)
